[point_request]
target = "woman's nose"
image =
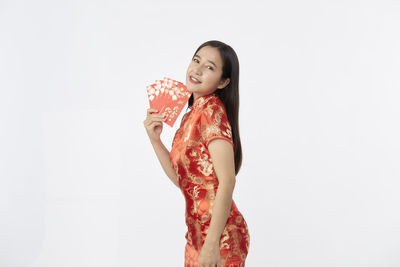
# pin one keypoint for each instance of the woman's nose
(197, 70)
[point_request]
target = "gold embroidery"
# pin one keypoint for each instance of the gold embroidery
(224, 238)
(194, 194)
(198, 182)
(188, 133)
(205, 167)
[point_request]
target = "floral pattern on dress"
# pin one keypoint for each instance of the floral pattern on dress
(190, 157)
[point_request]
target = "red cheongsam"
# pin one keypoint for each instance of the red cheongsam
(198, 181)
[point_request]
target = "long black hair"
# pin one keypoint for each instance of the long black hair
(230, 94)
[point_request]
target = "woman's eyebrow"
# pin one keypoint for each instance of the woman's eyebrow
(208, 60)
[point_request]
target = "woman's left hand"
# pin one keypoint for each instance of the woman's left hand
(210, 255)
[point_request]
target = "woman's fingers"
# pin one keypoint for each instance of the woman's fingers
(151, 110)
(152, 121)
(151, 113)
(153, 118)
(157, 117)
(154, 124)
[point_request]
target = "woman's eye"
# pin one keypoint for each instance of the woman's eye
(197, 61)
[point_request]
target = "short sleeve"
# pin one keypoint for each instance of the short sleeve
(214, 124)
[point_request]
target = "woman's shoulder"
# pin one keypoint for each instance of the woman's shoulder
(213, 112)
(213, 105)
(212, 102)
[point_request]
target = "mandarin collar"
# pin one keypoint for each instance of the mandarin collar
(201, 100)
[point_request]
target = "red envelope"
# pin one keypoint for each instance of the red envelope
(154, 93)
(169, 97)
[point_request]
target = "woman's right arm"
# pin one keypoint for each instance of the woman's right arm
(163, 157)
(154, 124)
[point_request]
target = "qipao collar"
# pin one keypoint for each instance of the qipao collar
(202, 100)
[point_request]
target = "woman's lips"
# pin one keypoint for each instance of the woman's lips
(194, 81)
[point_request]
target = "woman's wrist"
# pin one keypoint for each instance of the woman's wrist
(156, 142)
(212, 240)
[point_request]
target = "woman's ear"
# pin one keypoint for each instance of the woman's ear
(224, 83)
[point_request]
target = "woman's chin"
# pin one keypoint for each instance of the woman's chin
(189, 88)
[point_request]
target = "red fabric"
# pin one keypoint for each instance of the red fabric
(198, 181)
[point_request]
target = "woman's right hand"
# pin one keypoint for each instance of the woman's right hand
(153, 124)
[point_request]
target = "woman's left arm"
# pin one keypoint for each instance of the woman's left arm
(222, 156)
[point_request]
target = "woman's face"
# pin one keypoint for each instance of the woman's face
(206, 69)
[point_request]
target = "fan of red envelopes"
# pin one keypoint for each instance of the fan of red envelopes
(168, 97)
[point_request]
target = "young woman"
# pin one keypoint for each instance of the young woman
(205, 158)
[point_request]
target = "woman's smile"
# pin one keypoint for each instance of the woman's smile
(194, 80)
(205, 68)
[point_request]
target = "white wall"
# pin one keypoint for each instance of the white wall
(319, 119)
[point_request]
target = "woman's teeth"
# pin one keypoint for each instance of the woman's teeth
(194, 79)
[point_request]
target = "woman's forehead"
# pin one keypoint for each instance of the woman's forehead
(210, 53)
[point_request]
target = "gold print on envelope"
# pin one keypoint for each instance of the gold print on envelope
(171, 113)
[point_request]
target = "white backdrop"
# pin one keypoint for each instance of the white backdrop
(319, 120)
